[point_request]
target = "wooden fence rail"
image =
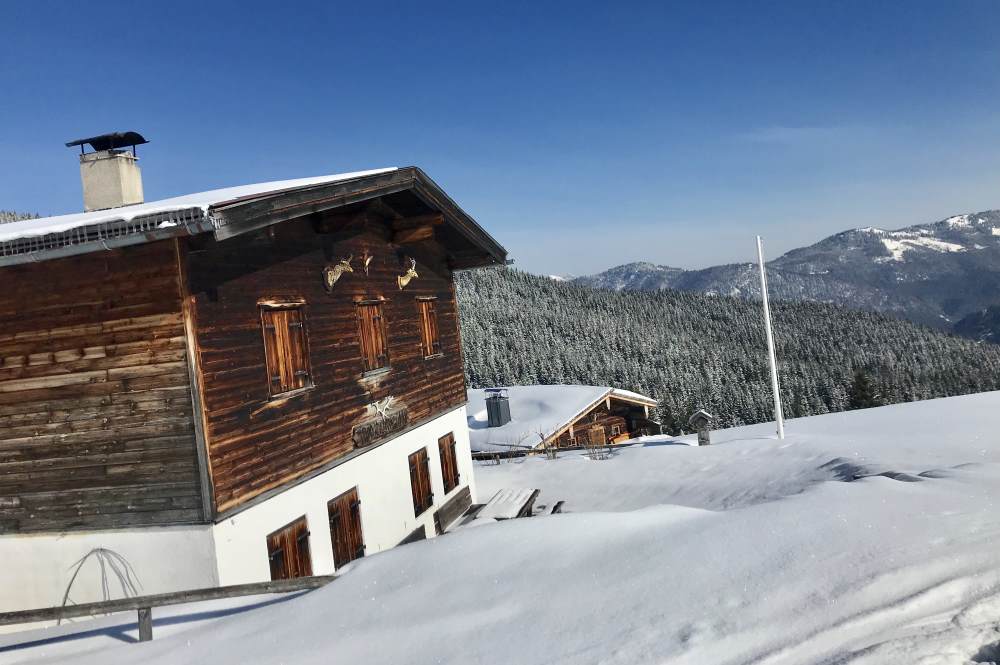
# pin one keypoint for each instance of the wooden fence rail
(144, 604)
(513, 451)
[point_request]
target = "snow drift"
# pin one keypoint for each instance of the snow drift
(865, 537)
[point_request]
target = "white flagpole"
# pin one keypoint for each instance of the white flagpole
(778, 416)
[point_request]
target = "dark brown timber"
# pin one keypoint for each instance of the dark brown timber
(365, 340)
(96, 426)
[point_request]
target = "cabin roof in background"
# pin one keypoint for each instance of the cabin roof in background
(537, 412)
(228, 212)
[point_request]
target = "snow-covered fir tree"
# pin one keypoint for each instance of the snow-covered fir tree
(11, 216)
(695, 351)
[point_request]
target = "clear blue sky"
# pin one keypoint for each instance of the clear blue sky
(581, 136)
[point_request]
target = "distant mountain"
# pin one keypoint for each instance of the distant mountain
(934, 274)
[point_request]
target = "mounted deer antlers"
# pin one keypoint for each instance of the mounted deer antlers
(366, 259)
(404, 279)
(332, 273)
(381, 407)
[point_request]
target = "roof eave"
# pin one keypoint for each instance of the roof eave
(235, 217)
(251, 213)
(106, 236)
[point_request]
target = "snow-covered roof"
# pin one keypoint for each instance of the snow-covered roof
(203, 200)
(231, 211)
(537, 412)
(506, 504)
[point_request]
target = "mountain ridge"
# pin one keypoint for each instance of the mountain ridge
(935, 273)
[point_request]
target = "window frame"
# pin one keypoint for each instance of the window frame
(382, 330)
(420, 480)
(447, 452)
(267, 309)
(430, 329)
(290, 538)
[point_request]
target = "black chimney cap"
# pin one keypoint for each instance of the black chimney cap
(110, 141)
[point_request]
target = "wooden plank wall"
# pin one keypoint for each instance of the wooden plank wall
(96, 425)
(583, 425)
(257, 444)
(629, 417)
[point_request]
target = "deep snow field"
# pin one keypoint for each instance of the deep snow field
(864, 537)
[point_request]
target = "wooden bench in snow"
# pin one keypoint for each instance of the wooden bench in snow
(509, 504)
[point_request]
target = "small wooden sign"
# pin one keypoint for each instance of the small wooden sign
(373, 431)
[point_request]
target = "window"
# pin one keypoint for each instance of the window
(420, 482)
(616, 430)
(345, 528)
(430, 342)
(285, 351)
(288, 551)
(371, 328)
(449, 462)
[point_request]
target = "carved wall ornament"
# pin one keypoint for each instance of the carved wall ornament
(331, 273)
(366, 260)
(381, 407)
(384, 418)
(404, 279)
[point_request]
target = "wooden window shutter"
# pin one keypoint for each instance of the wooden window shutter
(288, 551)
(372, 334)
(345, 528)
(449, 462)
(426, 478)
(420, 481)
(300, 375)
(429, 336)
(285, 349)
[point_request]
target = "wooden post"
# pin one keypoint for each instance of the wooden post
(145, 624)
(703, 436)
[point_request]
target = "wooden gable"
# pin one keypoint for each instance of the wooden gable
(258, 441)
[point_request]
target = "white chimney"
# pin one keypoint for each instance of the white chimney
(111, 179)
(110, 175)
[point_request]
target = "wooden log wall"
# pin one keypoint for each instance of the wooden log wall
(257, 443)
(96, 427)
(588, 422)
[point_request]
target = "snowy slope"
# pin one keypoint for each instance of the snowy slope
(749, 551)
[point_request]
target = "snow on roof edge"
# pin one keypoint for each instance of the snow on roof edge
(61, 223)
(629, 394)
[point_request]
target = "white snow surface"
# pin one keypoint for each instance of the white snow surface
(899, 242)
(536, 412)
(204, 200)
(752, 550)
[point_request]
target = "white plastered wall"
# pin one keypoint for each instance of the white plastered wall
(36, 569)
(382, 477)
